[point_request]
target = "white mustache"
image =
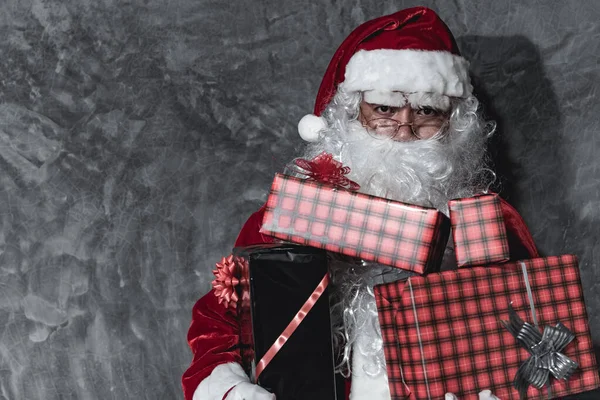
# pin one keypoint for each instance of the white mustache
(422, 172)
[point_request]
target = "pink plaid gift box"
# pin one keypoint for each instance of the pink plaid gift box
(358, 225)
(478, 230)
(444, 332)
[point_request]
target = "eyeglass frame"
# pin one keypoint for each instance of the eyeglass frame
(446, 115)
(400, 124)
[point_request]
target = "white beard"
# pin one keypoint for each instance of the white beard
(423, 172)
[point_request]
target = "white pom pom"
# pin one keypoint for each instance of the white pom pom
(309, 127)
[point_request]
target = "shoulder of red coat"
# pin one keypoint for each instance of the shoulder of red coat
(250, 233)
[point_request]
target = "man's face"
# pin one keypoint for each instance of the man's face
(386, 157)
(402, 124)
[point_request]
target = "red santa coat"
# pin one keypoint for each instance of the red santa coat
(213, 334)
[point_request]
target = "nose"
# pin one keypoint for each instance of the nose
(404, 116)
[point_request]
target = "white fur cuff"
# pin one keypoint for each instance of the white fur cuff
(222, 378)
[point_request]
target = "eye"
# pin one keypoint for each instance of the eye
(385, 110)
(428, 112)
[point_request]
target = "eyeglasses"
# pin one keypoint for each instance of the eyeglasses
(422, 127)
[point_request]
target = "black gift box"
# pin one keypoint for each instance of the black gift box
(276, 281)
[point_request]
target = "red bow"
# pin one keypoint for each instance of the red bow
(225, 282)
(323, 168)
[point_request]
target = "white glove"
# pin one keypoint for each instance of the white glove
(483, 395)
(225, 377)
(248, 391)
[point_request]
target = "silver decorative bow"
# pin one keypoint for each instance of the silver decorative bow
(545, 353)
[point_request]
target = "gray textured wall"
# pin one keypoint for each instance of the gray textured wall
(137, 136)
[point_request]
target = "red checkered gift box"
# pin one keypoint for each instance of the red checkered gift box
(355, 224)
(478, 230)
(444, 332)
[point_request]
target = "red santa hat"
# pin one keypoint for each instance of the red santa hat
(411, 51)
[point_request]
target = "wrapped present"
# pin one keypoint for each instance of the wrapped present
(456, 331)
(358, 225)
(478, 230)
(283, 309)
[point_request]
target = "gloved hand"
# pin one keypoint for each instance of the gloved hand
(229, 381)
(483, 395)
(248, 391)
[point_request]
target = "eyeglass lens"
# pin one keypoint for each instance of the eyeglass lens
(422, 129)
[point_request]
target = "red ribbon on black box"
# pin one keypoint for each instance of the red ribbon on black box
(284, 319)
(480, 328)
(478, 230)
(355, 224)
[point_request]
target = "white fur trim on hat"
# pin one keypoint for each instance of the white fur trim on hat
(309, 127)
(408, 71)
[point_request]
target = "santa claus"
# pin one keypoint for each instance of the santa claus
(396, 106)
